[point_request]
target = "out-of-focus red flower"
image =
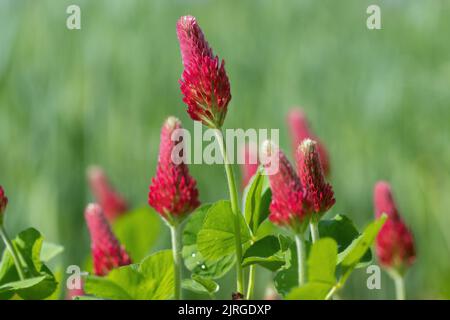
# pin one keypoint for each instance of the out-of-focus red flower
(319, 193)
(250, 165)
(204, 82)
(384, 201)
(299, 131)
(288, 199)
(395, 243)
(113, 204)
(3, 204)
(107, 253)
(173, 192)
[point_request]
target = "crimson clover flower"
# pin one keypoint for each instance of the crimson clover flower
(113, 204)
(288, 206)
(173, 192)
(3, 203)
(395, 243)
(204, 82)
(299, 131)
(319, 193)
(107, 253)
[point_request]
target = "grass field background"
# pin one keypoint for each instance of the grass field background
(380, 100)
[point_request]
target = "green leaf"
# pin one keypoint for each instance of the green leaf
(192, 257)
(287, 277)
(106, 288)
(342, 229)
(310, 291)
(159, 267)
(216, 239)
(28, 244)
(266, 252)
(322, 261)
(50, 250)
(153, 279)
(257, 197)
(21, 284)
(351, 256)
(200, 285)
(138, 231)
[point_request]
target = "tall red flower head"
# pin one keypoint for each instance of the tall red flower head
(250, 165)
(319, 193)
(204, 82)
(3, 203)
(395, 243)
(288, 199)
(107, 253)
(173, 192)
(113, 204)
(299, 131)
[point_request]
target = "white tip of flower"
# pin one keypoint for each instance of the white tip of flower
(267, 148)
(172, 122)
(93, 209)
(94, 171)
(307, 145)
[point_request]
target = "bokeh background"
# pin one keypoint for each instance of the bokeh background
(380, 100)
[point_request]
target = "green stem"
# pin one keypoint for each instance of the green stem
(175, 232)
(314, 231)
(399, 286)
(13, 252)
(235, 209)
(301, 257)
(339, 284)
(251, 282)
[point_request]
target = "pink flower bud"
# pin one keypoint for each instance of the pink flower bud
(173, 192)
(250, 165)
(288, 202)
(299, 131)
(395, 243)
(107, 253)
(112, 203)
(319, 193)
(204, 82)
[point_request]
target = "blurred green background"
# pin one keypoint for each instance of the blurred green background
(379, 99)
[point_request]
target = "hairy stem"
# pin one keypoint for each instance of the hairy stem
(399, 281)
(314, 226)
(251, 282)
(235, 209)
(175, 232)
(301, 257)
(13, 252)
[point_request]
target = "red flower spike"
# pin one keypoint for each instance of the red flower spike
(288, 199)
(395, 243)
(299, 131)
(384, 201)
(173, 192)
(112, 203)
(3, 201)
(107, 253)
(250, 166)
(3, 204)
(319, 193)
(204, 82)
